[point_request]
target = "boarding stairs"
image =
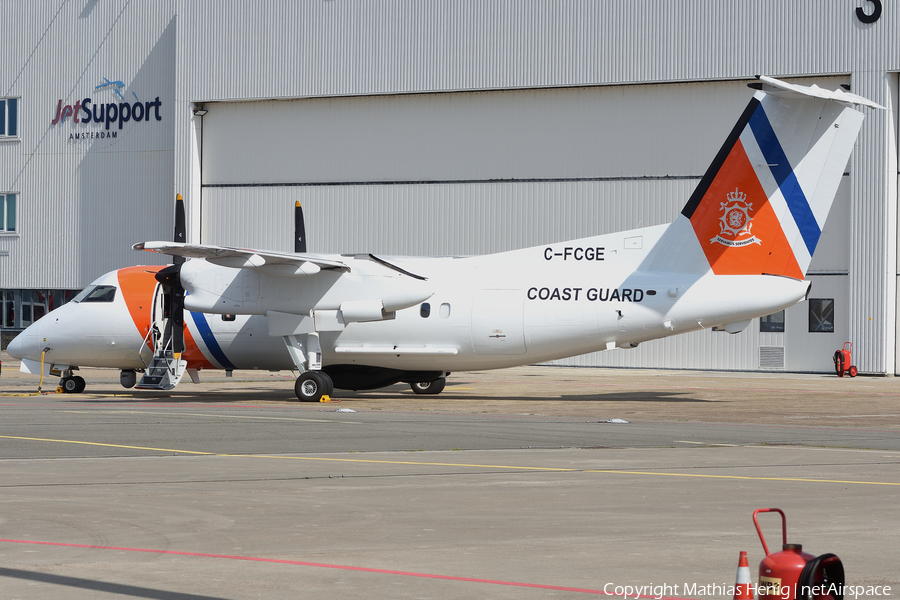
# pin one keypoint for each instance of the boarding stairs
(165, 368)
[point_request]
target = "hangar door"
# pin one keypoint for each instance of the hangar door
(477, 172)
(458, 173)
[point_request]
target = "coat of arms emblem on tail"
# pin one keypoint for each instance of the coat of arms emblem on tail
(735, 222)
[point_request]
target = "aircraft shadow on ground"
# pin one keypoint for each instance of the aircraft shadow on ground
(101, 586)
(399, 392)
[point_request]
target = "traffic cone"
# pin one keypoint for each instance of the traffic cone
(742, 584)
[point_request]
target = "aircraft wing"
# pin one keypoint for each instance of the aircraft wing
(278, 263)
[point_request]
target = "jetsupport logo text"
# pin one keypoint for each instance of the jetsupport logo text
(85, 111)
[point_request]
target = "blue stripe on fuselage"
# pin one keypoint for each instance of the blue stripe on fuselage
(209, 339)
(784, 175)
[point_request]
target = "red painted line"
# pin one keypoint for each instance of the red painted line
(341, 567)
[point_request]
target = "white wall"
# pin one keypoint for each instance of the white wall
(83, 200)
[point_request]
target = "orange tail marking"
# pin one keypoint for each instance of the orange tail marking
(737, 227)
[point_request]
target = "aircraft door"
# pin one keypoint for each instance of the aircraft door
(498, 322)
(161, 313)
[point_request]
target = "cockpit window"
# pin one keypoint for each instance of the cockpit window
(100, 293)
(80, 295)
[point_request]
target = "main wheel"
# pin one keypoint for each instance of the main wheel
(429, 387)
(853, 371)
(310, 387)
(328, 383)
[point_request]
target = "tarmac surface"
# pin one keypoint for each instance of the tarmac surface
(510, 484)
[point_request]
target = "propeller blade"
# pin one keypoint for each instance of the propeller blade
(179, 226)
(299, 229)
(178, 321)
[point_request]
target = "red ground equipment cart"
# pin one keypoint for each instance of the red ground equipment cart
(842, 361)
(794, 574)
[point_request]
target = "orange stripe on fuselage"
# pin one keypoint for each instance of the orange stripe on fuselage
(192, 353)
(766, 248)
(138, 285)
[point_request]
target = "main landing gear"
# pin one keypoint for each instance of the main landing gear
(429, 387)
(312, 385)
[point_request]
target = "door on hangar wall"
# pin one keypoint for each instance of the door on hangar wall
(461, 159)
(439, 174)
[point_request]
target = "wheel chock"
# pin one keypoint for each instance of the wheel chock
(60, 390)
(325, 398)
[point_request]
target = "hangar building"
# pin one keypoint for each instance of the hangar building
(448, 127)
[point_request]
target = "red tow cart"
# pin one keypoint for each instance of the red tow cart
(842, 361)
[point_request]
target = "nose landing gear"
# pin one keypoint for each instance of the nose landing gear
(72, 384)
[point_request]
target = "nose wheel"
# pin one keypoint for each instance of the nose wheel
(72, 385)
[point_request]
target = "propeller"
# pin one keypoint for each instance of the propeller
(299, 229)
(170, 278)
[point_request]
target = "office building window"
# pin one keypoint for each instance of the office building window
(8, 213)
(21, 308)
(8, 317)
(9, 117)
(772, 323)
(821, 315)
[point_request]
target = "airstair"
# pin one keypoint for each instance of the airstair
(166, 368)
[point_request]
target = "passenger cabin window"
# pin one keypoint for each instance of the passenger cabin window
(101, 293)
(445, 310)
(228, 317)
(821, 315)
(772, 323)
(425, 310)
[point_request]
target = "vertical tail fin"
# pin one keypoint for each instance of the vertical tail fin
(763, 201)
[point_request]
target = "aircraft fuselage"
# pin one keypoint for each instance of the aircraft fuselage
(472, 313)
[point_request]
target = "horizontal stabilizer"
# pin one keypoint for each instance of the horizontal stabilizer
(775, 86)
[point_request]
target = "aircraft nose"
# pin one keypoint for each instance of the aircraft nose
(25, 345)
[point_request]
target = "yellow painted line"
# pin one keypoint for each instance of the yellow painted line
(29, 439)
(467, 465)
(314, 458)
(743, 477)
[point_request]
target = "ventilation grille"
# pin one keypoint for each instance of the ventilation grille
(771, 357)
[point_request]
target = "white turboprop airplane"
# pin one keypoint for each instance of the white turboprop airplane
(739, 250)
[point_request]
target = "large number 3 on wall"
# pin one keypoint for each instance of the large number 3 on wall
(876, 13)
